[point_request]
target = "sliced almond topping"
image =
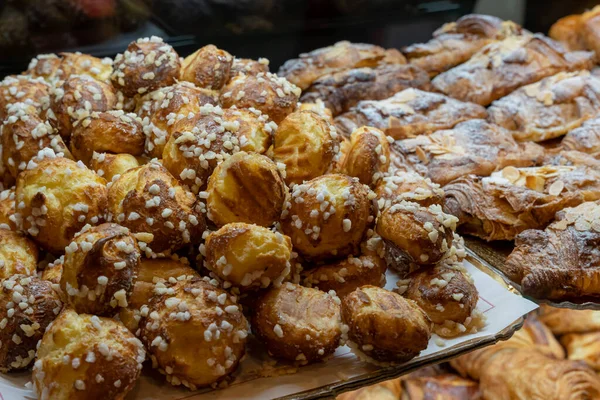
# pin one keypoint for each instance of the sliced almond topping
(535, 182)
(511, 173)
(421, 154)
(582, 225)
(556, 188)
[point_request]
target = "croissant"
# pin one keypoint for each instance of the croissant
(303, 71)
(409, 113)
(586, 138)
(578, 31)
(560, 262)
(443, 387)
(583, 346)
(501, 67)
(571, 158)
(455, 42)
(512, 200)
(471, 147)
(561, 320)
(548, 108)
(342, 90)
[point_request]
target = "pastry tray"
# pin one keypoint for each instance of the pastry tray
(494, 255)
(259, 377)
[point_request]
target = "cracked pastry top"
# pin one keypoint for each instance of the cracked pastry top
(455, 42)
(409, 113)
(501, 67)
(515, 199)
(473, 147)
(548, 108)
(585, 139)
(303, 71)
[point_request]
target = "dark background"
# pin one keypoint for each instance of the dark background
(276, 29)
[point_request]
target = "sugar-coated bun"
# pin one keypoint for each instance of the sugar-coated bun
(443, 292)
(267, 92)
(153, 277)
(85, 357)
(83, 64)
(24, 134)
(248, 66)
(194, 312)
(346, 275)
(146, 65)
(384, 326)
(43, 66)
(149, 200)
(27, 306)
(408, 186)
(328, 216)
(8, 209)
(249, 256)
(162, 109)
(368, 156)
(297, 323)
(415, 235)
(24, 89)
(78, 98)
(209, 67)
(107, 132)
(18, 254)
(58, 197)
(307, 143)
(110, 166)
(246, 187)
(99, 269)
(200, 143)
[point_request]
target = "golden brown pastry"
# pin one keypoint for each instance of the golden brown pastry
(414, 236)
(562, 321)
(560, 262)
(146, 65)
(246, 187)
(347, 275)
(307, 143)
(266, 92)
(501, 67)
(387, 390)
(572, 158)
(85, 357)
(584, 347)
(384, 326)
(24, 134)
(548, 108)
(407, 186)
(161, 109)
(526, 374)
(83, 64)
(99, 269)
(18, 254)
(368, 155)
(77, 98)
(53, 273)
(297, 323)
(328, 216)
(515, 199)
(149, 200)
(473, 147)
(248, 256)
(440, 387)
(193, 311)
(27, 306)
(455, 42)
(586, 138)
(7, 209)
(56, 198)
(248, 66)
(110, 166)
(107, 132)
(305, 70)
(24, 89)
(43, 66)
(443, 292)
(344, 89)
(197, 145)
(578, 31)
(153, 276)
(409, 113)
(209, 67)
